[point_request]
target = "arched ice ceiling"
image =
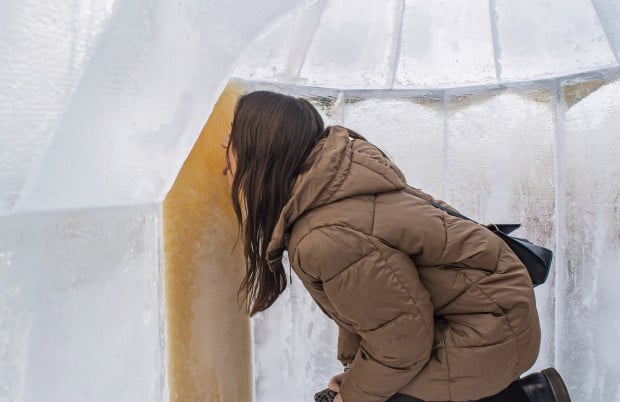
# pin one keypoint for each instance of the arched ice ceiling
(93, 93)
(418, 44)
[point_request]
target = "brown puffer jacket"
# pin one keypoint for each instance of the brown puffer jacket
(427, 304)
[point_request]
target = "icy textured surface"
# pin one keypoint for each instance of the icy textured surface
(352, 49)
(500, 169)
(588, 319)
(44, 49)
(147, 89)
(551, 37)
(100, 103)
(80, 306)
(410, 131)
(278, 53)
(445, 43)
(330, 108)
(295, 345)
(491, 163)
(609, 13)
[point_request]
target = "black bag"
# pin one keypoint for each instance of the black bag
(537, 259)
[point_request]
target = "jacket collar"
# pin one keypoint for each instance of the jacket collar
(342, 167)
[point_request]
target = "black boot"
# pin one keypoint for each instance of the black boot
(546, 386)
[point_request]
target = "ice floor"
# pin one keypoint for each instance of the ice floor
(508, 109)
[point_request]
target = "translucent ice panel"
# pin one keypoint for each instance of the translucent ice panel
(328, 102)
(80, 306)
(295, 347)
(445, 43)
(330, 108)
(411, 131)
(547, 38)
(141, 101)
(278, 54)
(44, 49)
(208, 336)
(352, 46)
(500, 155)
(588, 301)
(609, 13)
(500, 169)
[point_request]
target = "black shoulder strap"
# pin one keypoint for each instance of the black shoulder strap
(506, 228)
(451, 212)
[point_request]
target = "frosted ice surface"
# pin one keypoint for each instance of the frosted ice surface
(329, 107)
(445, 43)
(45, 47)
(545, 304)
(609, 13)
(588, 322)
(500, 169)
(277, 55)
(143, 96)
(548, 38)
(295, 347)
(492, 162)
(328, 103)
(15, 322)
(352, 46)
(411, 131)
(82, 321)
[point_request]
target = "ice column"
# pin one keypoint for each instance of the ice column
(589, 252)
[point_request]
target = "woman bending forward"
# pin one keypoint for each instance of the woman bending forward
(429, 306)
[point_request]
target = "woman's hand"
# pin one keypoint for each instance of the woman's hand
(334, 385)
(334, 382)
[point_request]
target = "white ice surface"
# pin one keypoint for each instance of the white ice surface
(151, 79)
(410, 131)
(609, 13)
(277, 55)
(588, 322)
(445, 43)
(81, 305)
(436, 44)
(352, 46)
(548, 38)
(45, 47)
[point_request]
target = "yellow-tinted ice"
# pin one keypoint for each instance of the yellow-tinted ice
(208, 337)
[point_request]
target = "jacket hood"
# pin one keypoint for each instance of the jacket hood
(341, 167)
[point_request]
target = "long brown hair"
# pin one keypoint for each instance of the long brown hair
(271, 137)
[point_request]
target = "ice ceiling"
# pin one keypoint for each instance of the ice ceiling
(509, 109)
(417, 44)
(82, 81)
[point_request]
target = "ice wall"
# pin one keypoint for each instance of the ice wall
(588, 316)
(208, 339)
(93, 93)
(80, 306)
(508, 109)
(100, 105)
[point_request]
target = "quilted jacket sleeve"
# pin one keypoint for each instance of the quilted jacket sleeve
(348, 345)
(381, 297)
